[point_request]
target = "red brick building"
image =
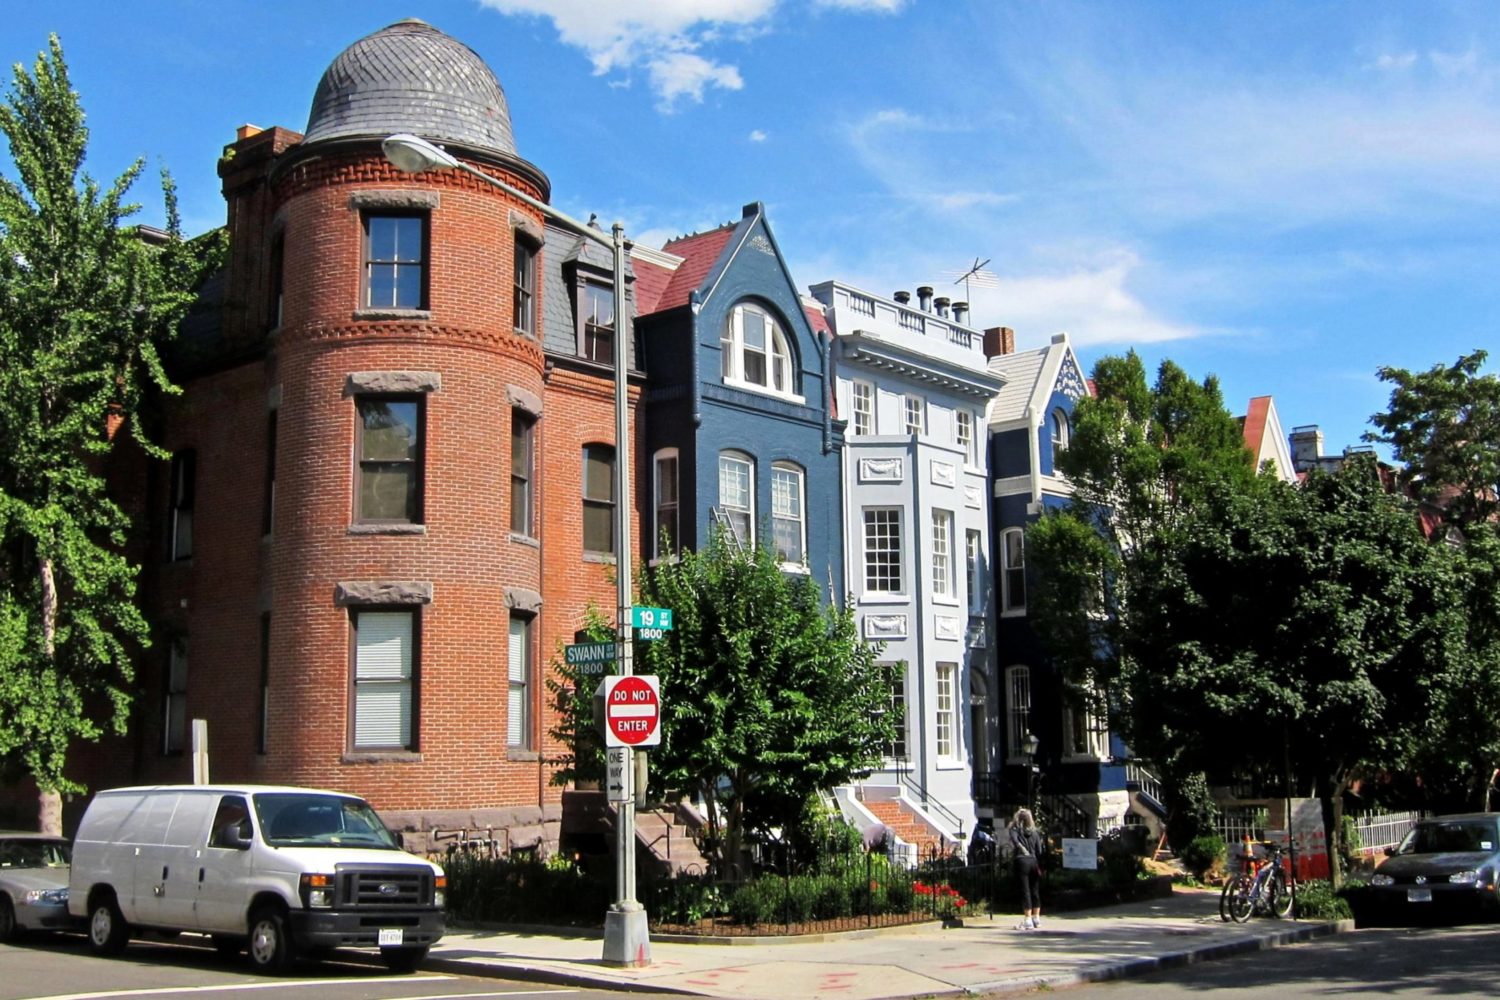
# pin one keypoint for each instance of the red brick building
(391, 496)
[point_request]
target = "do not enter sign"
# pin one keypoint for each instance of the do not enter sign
(632, 711)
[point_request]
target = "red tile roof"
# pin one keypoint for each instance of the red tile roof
(699, 253)
(650, 281)
(1255, 423)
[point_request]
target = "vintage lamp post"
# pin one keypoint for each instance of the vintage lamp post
(1029, 745)
(627, 939)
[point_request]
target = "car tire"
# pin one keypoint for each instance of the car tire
(9, 930)
(108, 931)
(270, 944)
(403, 960)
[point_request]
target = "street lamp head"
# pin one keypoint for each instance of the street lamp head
(412, 154)
(1029, 744)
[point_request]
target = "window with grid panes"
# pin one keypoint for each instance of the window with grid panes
(737, 495)
(973, 550)
(522, 468)
(788, 526)
(942, 553)
(395, 261)
(1018, 709)
(598, 312)
(964, 429)
(599, 499)
(862, 396)
(523, 297)
(664, 540)
(1013, 569)
(883, 550)
(916, 414)
(895, 674)
(945, 709)
(390, 458)
(174, 706)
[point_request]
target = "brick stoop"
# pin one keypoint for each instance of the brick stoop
(906, 825)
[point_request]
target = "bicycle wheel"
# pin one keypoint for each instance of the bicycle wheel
(1241, 903)
(1279, 895)
(1224, 898)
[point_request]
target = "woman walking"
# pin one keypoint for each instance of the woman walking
(1027, 848)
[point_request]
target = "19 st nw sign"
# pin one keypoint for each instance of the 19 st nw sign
(632, 711)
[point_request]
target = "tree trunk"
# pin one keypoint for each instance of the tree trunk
(1331, 798)
(49, 802)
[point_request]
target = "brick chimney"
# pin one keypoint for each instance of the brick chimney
(999, 340)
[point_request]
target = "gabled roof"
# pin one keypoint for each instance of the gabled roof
(651, 280)
(1262, 430)
(699, 253)
(1032, 376)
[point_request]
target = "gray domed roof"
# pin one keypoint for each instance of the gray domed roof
(410, 77)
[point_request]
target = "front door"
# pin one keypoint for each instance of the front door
(224, 869)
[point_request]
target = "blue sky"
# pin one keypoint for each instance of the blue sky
(1287, 195)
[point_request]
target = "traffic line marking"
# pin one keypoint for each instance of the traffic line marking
(226, 987)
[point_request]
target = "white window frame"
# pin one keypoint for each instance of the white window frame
(520, 654)
(1017, 711)
(974, 563)
(896, 674)
(780, 372)
(793, 514)
(875, 519)
(1095, 736)
(1012, 572)
(863, 416)
(963, 433)
(385, 664)
(945, 729)
(663, 509)
(1061, 430)
(739, 513)
(914, 411)
(943, 582)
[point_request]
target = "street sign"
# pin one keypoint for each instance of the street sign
(652, 618)
(590, 657)
(632, 711)
(614, 784)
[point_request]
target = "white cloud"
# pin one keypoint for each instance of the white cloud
(685, 74)
(877, 6)
(1453, 64)
(1396, 61)
(757, 135)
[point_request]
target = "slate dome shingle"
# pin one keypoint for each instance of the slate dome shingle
(410, 77)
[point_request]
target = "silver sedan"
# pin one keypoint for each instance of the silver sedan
(33, 883)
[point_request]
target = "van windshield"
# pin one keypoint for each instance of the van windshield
(299, 819)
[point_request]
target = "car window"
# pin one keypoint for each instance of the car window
(35, 852)
(232, 819)
(1461, 836)
(301, 819)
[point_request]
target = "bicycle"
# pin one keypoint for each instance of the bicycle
(1263, 886)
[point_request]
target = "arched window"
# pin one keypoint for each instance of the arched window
(1013, 570)
(755, 350)
(1060, 432)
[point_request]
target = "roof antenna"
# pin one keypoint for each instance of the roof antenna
(976, 274)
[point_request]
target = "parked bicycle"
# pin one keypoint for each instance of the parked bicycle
(1262, 886)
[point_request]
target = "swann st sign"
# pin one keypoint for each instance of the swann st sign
(590, 657)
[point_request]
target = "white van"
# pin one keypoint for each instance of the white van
(273, 870)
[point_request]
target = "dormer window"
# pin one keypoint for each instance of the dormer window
(596, 311)
(755, 350)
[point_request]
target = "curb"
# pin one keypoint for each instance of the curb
(1171, 960)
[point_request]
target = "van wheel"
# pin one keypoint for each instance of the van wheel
(108, 931)
(270, 945)
(403, 959)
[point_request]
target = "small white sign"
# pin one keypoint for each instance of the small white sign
(390, 936)
(1080, 853)
(614, 775)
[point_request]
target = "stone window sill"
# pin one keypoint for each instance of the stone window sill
(381, 757)
(387, 529)
(376, 315)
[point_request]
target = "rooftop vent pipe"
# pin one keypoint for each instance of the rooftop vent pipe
(961, 313)
(903, 297)
(941, 302)
(924, 298)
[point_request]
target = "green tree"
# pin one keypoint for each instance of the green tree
(768, 693)
(1444, 425)
(84, 300)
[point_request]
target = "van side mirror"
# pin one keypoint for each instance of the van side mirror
(400, 840)
(1389, 851)
(237, 836)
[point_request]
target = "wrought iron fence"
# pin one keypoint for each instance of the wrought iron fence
(1379, 830)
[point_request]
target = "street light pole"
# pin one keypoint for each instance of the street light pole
(627, 939)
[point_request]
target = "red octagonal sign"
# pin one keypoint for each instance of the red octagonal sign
(632, 711)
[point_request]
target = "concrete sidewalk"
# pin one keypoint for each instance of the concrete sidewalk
(984, 956)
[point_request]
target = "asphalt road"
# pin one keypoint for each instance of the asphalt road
(1449, 962)
(61, 966)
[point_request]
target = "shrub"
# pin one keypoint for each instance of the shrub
(899, 894)
(757, 902)
(834, 897)
(1202, 853)
(500, 890)
(1317, 901)
(1194, 812)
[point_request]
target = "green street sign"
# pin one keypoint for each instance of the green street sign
(652, 618)
(592, 657)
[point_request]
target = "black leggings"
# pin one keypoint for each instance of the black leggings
(1029, 875)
